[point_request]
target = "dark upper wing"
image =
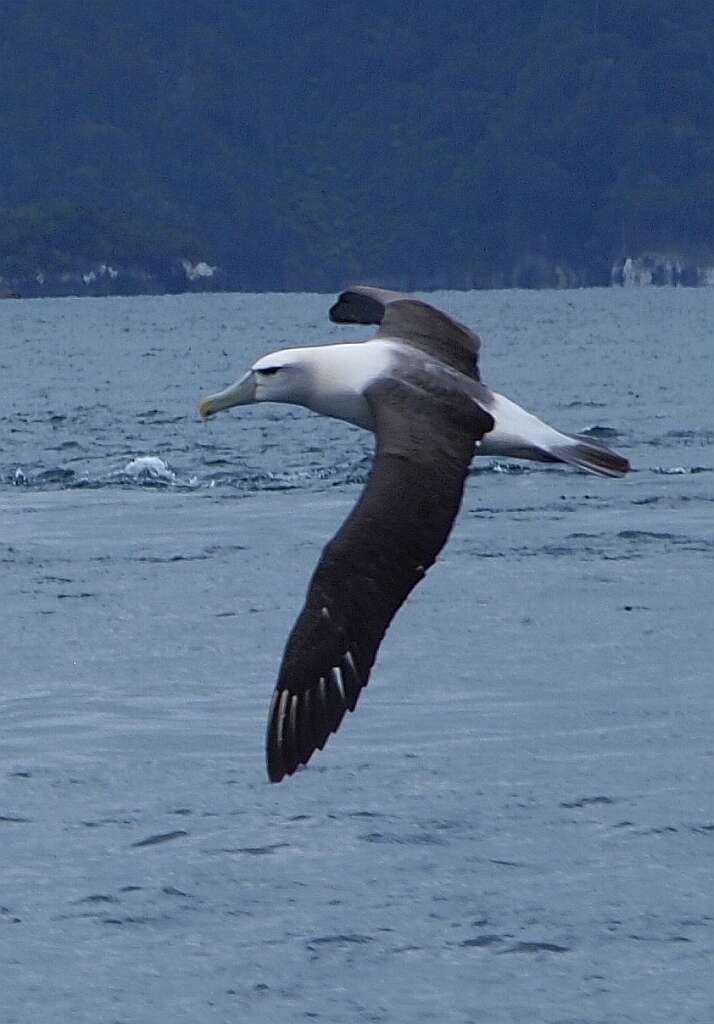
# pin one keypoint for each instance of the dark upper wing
(362, 305)
(412, 321)
(421, 325)
(384, 547)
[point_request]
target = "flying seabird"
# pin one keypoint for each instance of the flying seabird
(416, 386)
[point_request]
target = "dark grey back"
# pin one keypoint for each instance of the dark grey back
(418, 324)
(412, 321)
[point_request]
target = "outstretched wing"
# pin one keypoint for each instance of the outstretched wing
(422, 326)
(412, 322)
(362, 305)
(425, 443)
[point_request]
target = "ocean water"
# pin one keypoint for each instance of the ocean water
(517, 823)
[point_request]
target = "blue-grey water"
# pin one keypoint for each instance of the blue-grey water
(518, 823)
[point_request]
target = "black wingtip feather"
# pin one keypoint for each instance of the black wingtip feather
(301, 723)
(305, 734)
(351, 681)
(336, 704)
(274, 760)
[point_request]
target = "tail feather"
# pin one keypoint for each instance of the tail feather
(518, 434)
(596, 458)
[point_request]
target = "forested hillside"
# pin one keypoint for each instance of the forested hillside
(301, 144)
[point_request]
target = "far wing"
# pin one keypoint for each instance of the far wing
(383, 549)
(412, 321)
(421, 325)
(362, 305)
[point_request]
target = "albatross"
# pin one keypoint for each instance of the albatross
(416, 386)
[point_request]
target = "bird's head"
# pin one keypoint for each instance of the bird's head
(279, 377)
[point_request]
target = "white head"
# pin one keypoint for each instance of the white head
(329, 379)
(278, 377)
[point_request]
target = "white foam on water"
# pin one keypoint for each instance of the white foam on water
(149, 467)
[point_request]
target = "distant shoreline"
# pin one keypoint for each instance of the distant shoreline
(664, 268)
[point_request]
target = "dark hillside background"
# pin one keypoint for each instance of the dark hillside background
(297, 145)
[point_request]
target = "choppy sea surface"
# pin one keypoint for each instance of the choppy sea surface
(517, 825)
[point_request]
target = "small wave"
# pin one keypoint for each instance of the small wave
(704, 434)
(54, 475)
(599, 430)
(58, 475)
(508, 468)
(648, 535)
(681, 470)
(144, 470)
(153, 471)
(683, 438)
(149, 467)
(289, 480)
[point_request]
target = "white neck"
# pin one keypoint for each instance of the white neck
(340, 374)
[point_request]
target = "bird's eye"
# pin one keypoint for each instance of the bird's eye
(268, 370)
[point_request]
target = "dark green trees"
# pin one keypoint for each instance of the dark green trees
(302, 145)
